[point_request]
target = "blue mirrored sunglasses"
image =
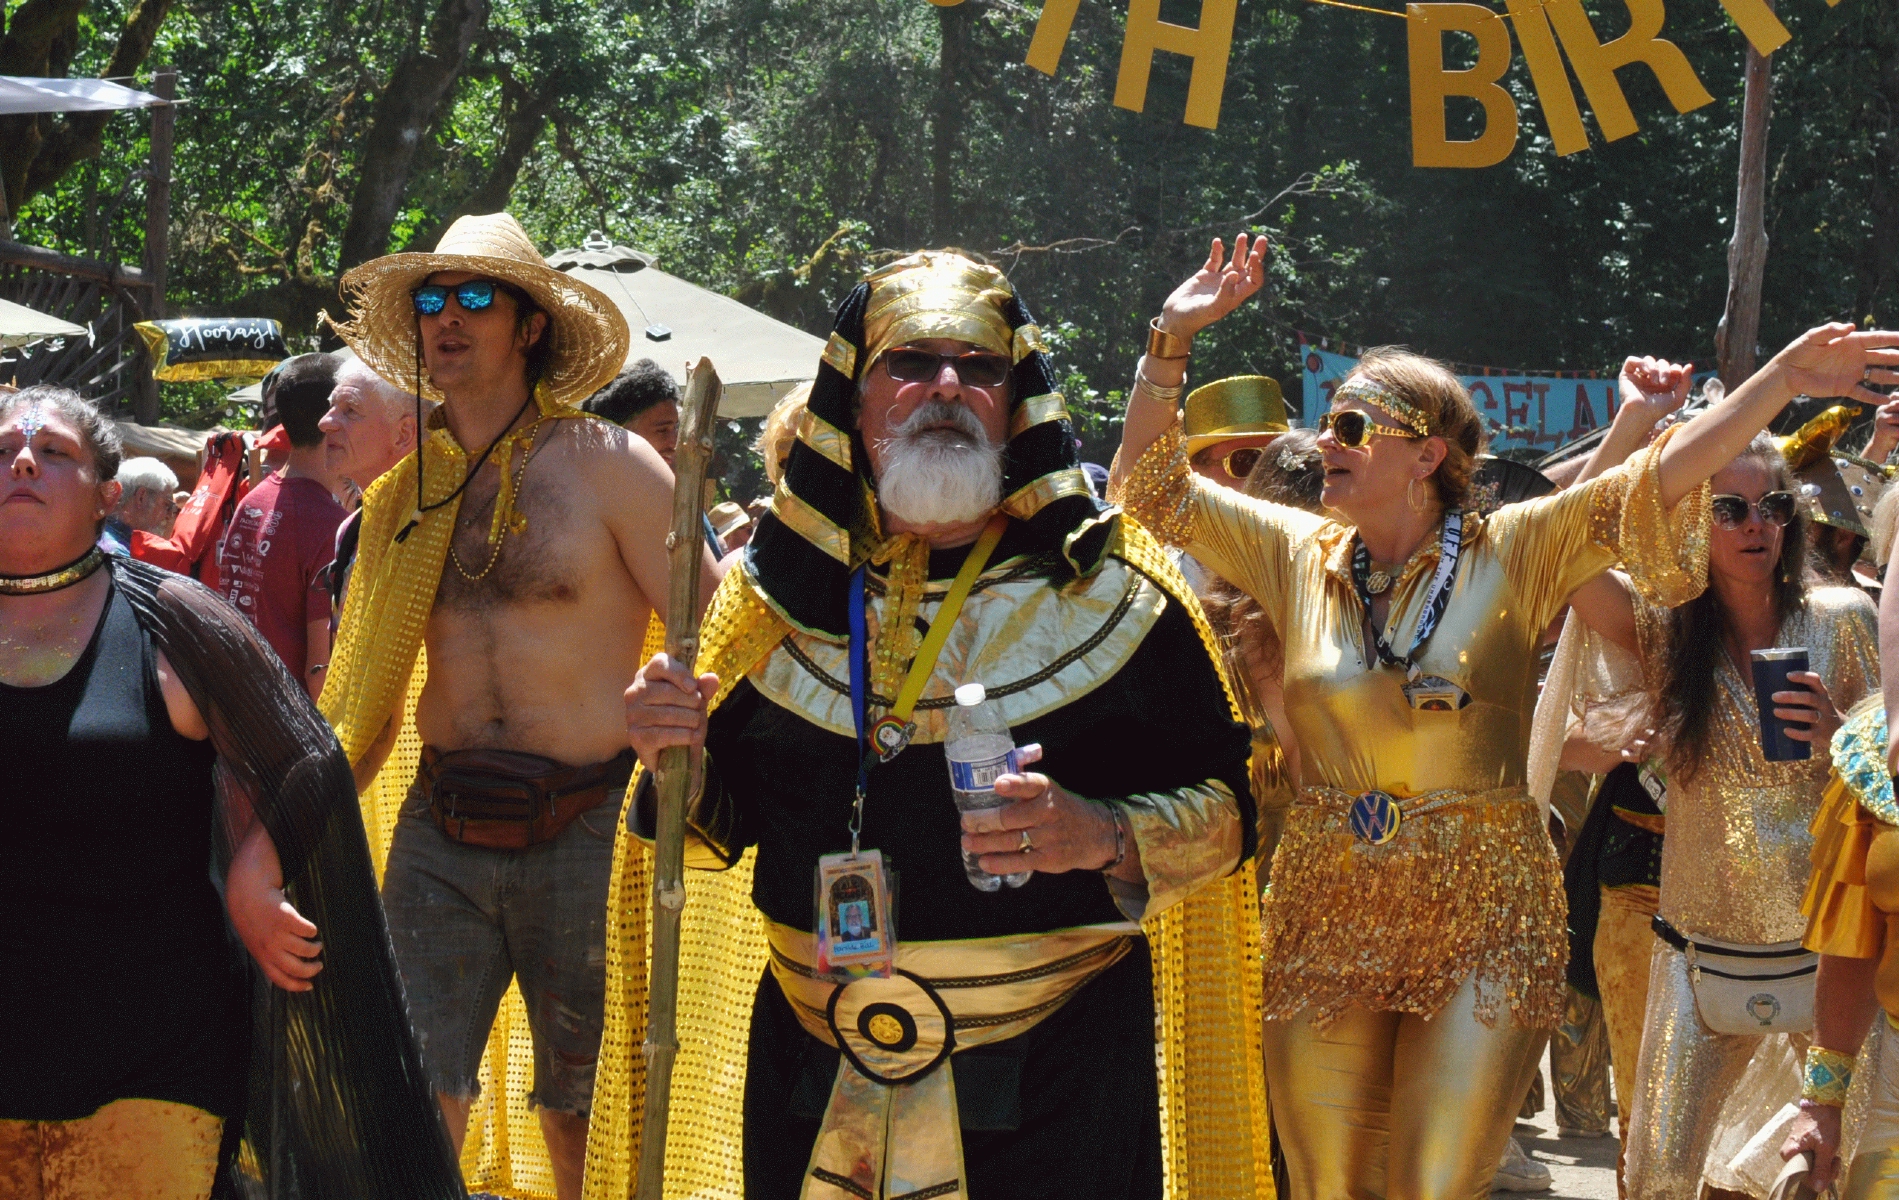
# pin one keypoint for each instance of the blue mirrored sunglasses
(473, 296)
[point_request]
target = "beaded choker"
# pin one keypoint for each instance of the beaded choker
(53, 581)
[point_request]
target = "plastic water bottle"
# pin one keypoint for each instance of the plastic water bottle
(979, 748)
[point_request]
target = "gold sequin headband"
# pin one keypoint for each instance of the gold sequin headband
(1376, 394)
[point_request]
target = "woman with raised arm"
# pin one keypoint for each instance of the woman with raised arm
(163, 773)
(1414, 936)
(1736, 858)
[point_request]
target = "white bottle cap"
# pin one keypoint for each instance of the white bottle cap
(970, 695)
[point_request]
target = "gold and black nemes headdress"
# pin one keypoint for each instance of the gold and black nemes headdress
(823, 519)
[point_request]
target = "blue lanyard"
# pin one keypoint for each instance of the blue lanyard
(860, 651)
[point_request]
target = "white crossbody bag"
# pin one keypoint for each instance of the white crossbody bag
(1746, 989)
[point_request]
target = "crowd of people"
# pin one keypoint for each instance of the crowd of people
(1318, 781)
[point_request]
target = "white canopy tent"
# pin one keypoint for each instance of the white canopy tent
(31, 94)
(673, 322)
(22, 326)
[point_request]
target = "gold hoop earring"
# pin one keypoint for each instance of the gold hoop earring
(1410, 498)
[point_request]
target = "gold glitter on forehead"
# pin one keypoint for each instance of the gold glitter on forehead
(936, 294)
(1376, 394)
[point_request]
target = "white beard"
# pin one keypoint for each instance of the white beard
(940, 476)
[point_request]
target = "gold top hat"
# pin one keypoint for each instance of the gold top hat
(589, 336)
(1233, 407)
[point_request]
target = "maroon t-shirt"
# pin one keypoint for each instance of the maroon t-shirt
(272, 561)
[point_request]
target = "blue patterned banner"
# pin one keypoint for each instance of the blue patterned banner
(1538, 412)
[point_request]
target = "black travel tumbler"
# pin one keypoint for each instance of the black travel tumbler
(1771, 668)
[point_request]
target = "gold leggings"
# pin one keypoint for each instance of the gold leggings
(1624, 943)
(1390, 1106)
(128, 1150)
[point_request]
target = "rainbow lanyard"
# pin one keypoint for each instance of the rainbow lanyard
(888, 737)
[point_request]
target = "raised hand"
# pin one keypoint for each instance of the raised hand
(1835, 360)
(1217, 288)
(1885, 432)
(1654, 384)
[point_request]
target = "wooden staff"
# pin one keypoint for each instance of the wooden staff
(675, 775)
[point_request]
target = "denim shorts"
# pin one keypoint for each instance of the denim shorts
(467, 919)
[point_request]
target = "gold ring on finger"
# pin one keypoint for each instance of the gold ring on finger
(1026, 845)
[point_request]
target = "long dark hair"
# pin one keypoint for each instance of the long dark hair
(1697, 632)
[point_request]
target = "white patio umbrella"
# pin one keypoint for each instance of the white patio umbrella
(674, 322)
(32, 94)
(22, 326)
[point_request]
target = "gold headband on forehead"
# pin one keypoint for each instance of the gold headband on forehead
(936, 294)
(1376, 394)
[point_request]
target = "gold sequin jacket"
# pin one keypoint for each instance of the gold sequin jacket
(1473, 887)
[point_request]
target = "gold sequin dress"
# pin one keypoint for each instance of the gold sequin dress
(1461, 915)
(1734, 867)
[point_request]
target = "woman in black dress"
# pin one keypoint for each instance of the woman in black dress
(157, 757)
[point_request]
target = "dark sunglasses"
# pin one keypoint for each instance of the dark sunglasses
(1775, 508)
(1241, 463)
(1354, 430)
(473, 296)
(921, 366)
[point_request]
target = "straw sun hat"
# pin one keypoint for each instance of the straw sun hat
(589, 336)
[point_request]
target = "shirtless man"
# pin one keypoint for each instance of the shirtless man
(501, 857)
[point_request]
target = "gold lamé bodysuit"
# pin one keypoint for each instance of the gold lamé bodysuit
(1734, 868)
(1472, 887)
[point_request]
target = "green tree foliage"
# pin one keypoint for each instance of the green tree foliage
(774, 148)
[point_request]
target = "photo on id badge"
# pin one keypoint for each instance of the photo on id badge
(853, 913)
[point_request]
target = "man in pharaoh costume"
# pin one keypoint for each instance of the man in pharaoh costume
(518, 554)
(933, 530)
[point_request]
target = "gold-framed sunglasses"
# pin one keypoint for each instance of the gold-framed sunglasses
(1354, 430)
(1241, 463)
(1731, 512)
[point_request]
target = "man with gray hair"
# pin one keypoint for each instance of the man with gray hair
(369, 428)
(146, 501)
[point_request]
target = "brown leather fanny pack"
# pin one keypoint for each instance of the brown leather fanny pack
(506, 800)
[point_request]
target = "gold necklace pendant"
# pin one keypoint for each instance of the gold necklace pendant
(513, 520)
(1378, 583)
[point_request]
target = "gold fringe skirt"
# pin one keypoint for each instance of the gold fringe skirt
(1469, 886)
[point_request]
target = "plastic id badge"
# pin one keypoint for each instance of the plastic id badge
(856, 930)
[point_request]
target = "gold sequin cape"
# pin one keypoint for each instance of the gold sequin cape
(1472, 888)
(1204, 949)
(378, 667)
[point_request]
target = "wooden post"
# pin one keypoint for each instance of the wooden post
(158, 188)
(157, 226)
(683, 546)
(1739, 331)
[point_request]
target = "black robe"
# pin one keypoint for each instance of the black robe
(1070, 1107)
